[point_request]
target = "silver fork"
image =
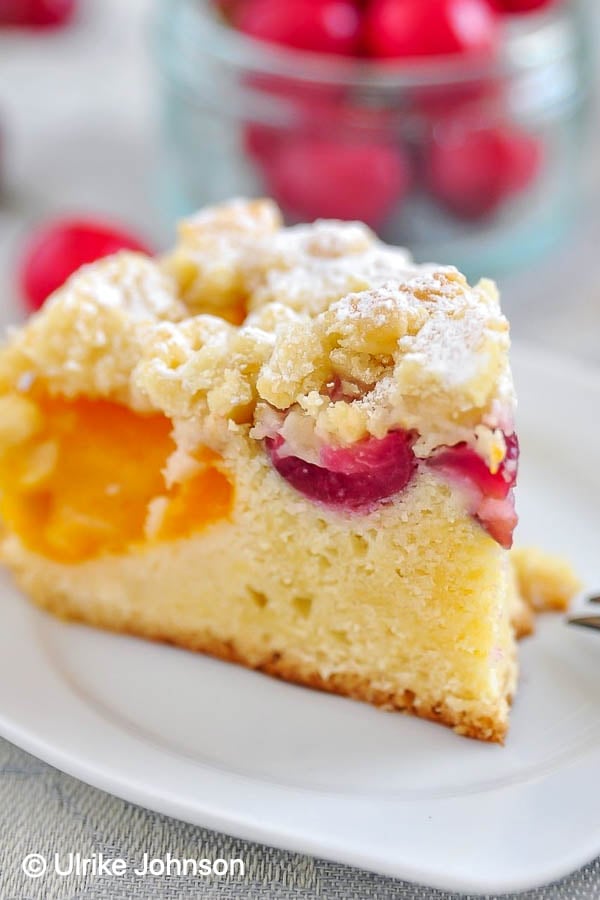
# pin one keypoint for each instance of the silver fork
(587, 621)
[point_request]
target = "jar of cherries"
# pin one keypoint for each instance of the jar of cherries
(453, 127)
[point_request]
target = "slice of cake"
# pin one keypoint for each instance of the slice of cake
(290, 448)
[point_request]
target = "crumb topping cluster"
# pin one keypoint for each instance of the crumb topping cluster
(342, 337)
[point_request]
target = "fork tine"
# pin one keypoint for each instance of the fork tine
(586, 622)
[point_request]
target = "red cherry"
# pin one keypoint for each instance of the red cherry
(324, 26)
(499, 519)
(462, 460)
(522, 6)
(312, 112)
(56, 250)
(309, 108)
(471, 171)
(474, 102)
(523, 155)
(262, 142)
(396, 29)
(36, 13)
(355, 478)
(491, 495)
(318, 178)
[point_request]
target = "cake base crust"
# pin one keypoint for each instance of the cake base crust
(282, 665)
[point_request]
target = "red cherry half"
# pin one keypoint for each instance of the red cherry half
(56, 250)
(355, 478)
(396, 29)
(323, 26)
(492, 497)
(464, 461)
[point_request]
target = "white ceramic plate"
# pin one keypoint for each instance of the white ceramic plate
(236, 751)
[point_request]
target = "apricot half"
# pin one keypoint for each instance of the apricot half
(81, 485)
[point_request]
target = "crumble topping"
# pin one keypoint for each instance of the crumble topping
(428, 353)
(208, 261)
(90, 334)
(344, 337)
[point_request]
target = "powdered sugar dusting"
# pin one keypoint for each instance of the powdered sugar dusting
(309, 267)
(348, 333)
(128, 282)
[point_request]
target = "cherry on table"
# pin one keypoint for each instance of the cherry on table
(395, 29)
(57, 249)
(36, 13)
(323, 26)
(324, 178)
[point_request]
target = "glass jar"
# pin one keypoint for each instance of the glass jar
(475, 165)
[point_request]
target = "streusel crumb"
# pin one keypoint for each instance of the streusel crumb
(90, 334)
(546, 582)
(344, 334)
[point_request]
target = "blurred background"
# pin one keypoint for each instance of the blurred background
(468, 130)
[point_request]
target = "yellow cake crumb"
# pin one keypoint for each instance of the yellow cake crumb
(546, 582)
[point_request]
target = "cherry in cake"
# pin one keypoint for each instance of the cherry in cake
(354, 478)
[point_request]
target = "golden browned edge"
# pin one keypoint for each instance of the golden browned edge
(484, 728)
